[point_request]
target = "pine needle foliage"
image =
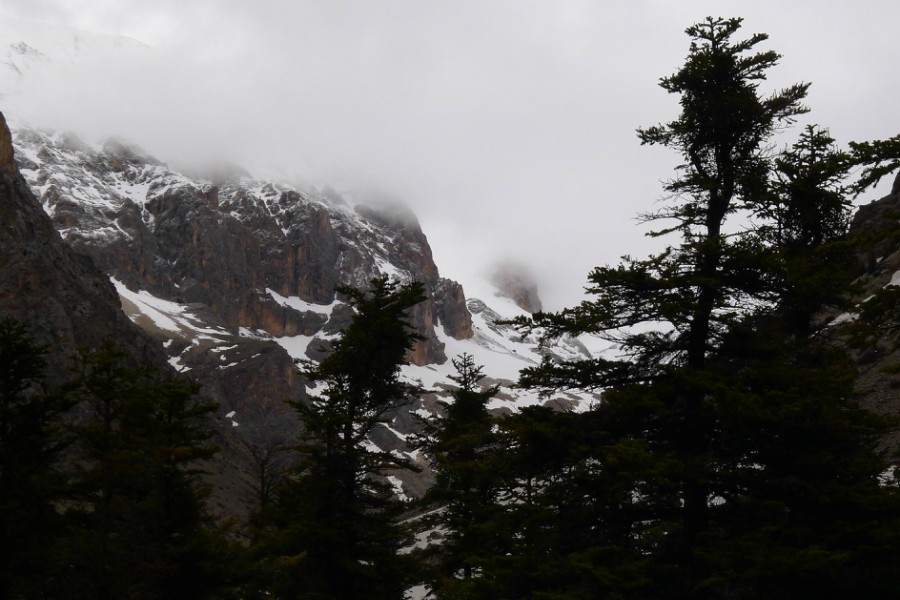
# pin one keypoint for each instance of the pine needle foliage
(730, 457)
(333, 530)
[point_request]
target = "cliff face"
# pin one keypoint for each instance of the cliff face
(877, 221)
(64, 299)
(876, 226)
(235, 246)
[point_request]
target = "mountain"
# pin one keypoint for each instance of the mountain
(37, 50)
(235, 276)
(64, 299)
(231, 277)
(514, 281)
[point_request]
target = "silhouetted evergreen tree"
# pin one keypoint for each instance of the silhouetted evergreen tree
(566, 515)
(879, 157)
(139, 524)
(729, 457)
(333, 530)
(460, 446)
(31, 485)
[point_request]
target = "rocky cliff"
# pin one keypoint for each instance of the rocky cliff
(64, 299)
(229, 244)
(253, 262)
(876, 229)
(237, 277)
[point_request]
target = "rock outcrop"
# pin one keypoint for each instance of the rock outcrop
(875, 226)
(233, 245)
(515, 282)
(7, 158)
(66, 302)
(876, 229)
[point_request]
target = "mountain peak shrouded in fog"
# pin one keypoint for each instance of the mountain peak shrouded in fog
(516, 282)
(498, 123)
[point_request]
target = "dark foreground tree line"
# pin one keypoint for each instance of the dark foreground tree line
(99, 492)
(729, 456)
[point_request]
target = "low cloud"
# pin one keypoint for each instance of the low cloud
(507, 126)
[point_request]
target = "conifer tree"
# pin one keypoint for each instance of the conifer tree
(139, 527)
(460, 446)
(699, 286)
(333, 530)
(31, 484)
(567, 517)
(731, 409)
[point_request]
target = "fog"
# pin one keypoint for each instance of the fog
(508, 126)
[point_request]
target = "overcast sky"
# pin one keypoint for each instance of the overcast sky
(509, 126)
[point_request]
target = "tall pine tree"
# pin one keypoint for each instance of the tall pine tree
(333, 530)
(460, 446)
(751, 466)
(139, 528)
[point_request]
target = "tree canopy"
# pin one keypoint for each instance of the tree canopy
(751, 466)
(333, 530)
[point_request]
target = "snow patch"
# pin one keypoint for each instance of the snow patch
(253, 334)
(157, 310)
(398, 488)
(843, 318)
(298, 304)
(168, 316)
(295, 345)
(895, 279)
(176, 363)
